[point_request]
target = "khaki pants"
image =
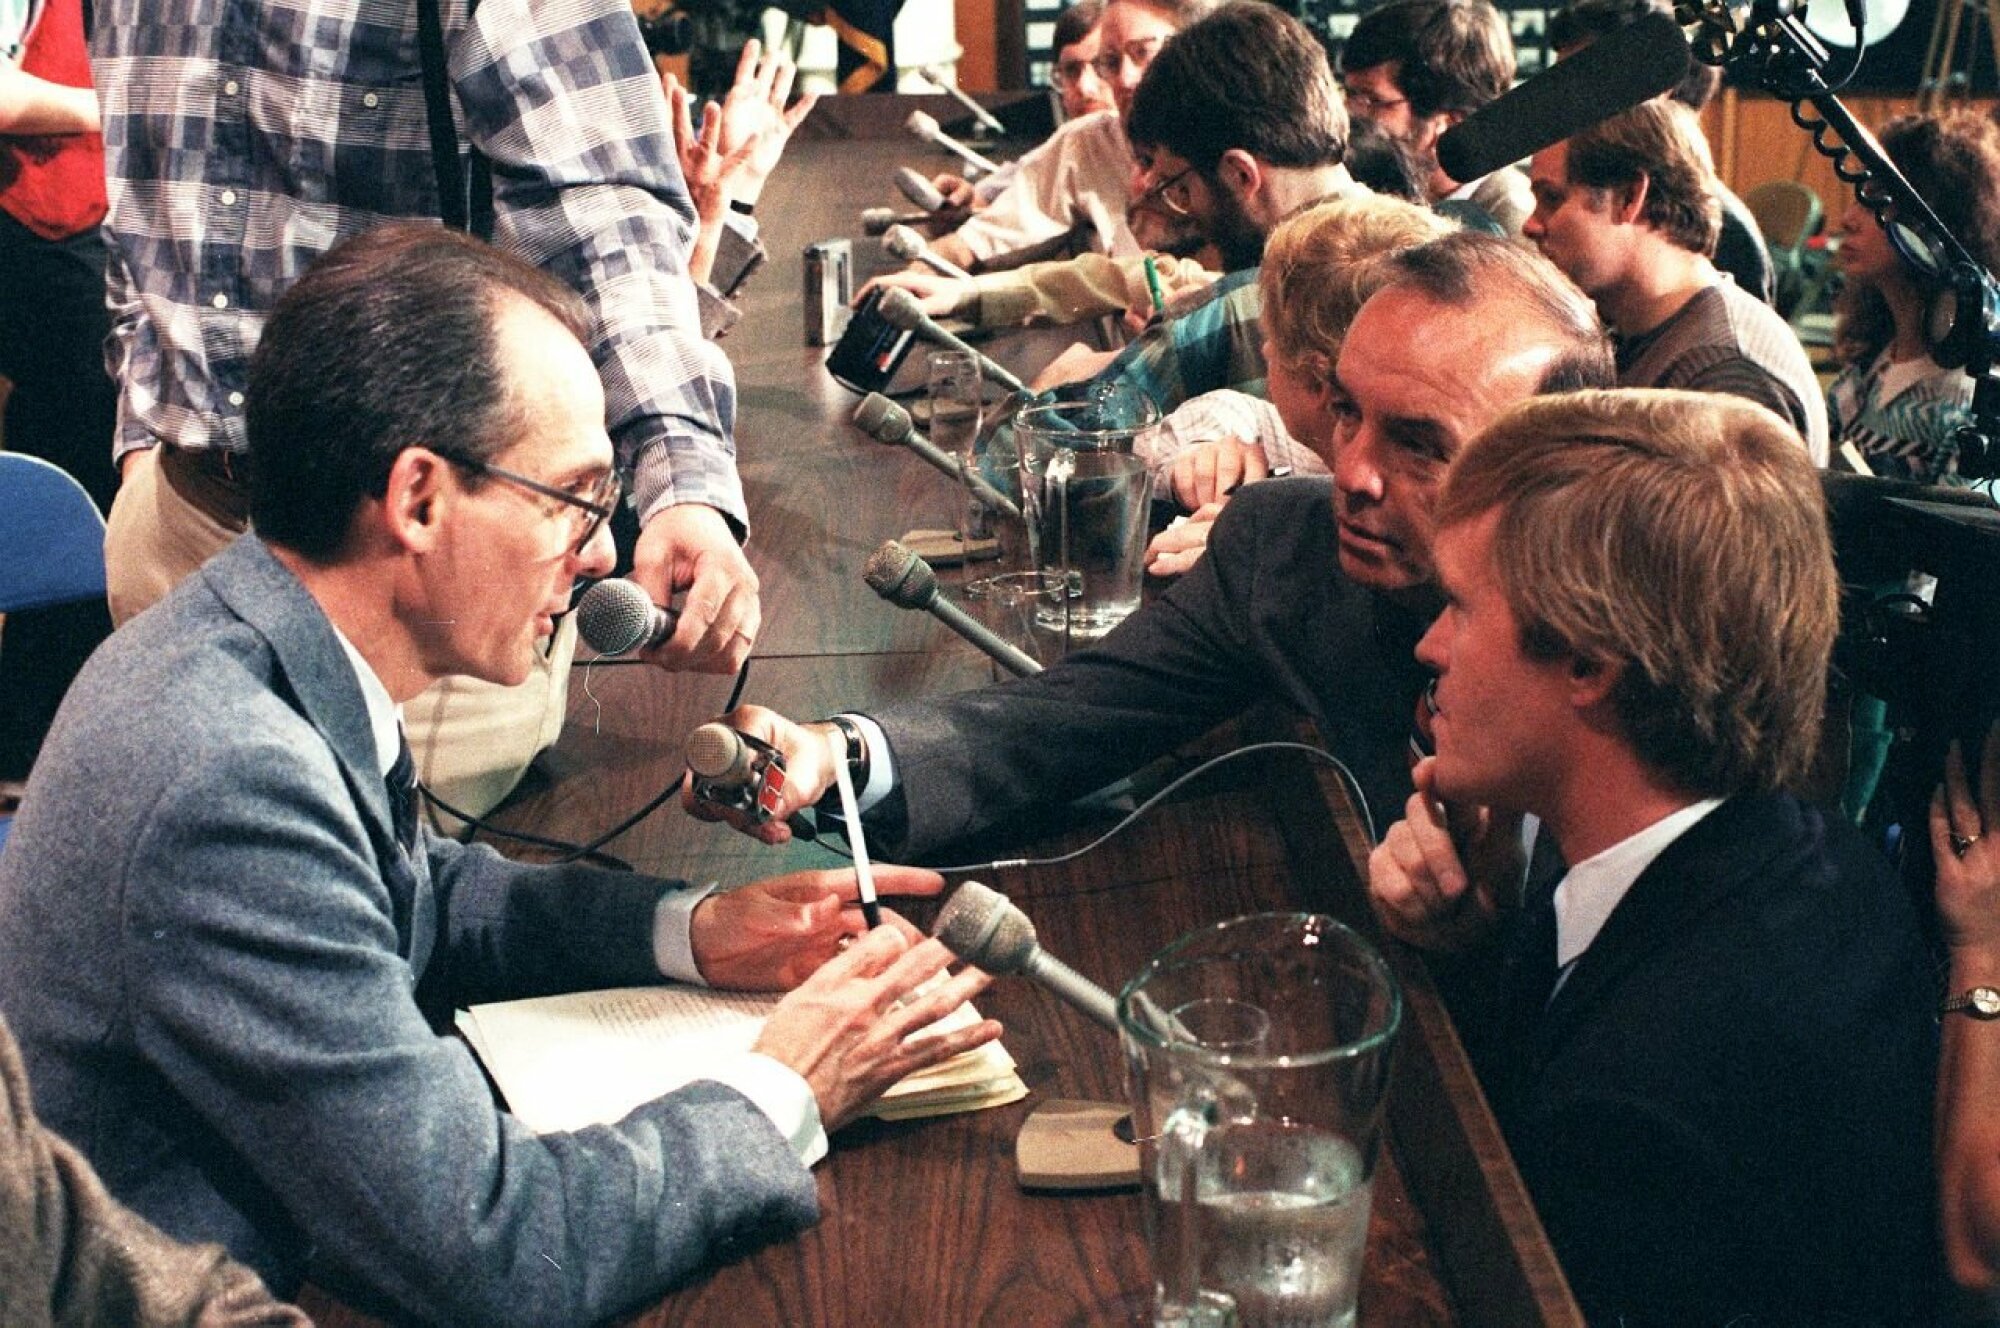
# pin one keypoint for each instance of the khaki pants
(472, 740)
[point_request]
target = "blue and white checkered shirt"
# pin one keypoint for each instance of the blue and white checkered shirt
(247, 137)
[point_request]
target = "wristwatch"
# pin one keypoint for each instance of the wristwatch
(1978, 1002)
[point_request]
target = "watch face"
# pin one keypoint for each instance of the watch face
(1985, 1002)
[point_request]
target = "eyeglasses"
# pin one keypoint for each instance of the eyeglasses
(587, 512)
(1162, 193)
(1109, 64)
(1068, 73)
(1368, 105)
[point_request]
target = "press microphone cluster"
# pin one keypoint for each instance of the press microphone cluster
(921, 192)
(906, 244)
(926, 127)
(984, 928)
(1613, 74)
(908, 582)
(887, 422)
(901, 309)
(616, 617)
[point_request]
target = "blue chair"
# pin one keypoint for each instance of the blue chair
(51, 542)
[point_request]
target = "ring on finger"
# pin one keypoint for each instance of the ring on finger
(1960, 843)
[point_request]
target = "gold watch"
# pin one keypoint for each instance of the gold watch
(1978, 1002)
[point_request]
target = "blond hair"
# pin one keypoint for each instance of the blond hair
(1317, 270)
(1683, 535)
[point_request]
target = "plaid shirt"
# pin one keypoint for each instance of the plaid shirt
(1212, 344)
(247, 137)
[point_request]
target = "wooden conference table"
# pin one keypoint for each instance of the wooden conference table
(922, 1222)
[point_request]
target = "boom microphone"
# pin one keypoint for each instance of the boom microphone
(886, 422)
(906, 244)
(921, 192)
(902, 310)
(908, 582)
(939, 77)
(985, 929)
(616, 617)
(1614, 73)
(926, 127)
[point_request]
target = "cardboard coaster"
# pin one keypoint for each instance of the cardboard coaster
(1070, 1145)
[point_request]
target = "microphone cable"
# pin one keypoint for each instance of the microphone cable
(592, 849)
(1131, 818)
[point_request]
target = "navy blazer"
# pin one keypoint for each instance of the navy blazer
(1724, 1114)
(219, 963)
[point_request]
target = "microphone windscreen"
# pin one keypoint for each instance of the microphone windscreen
(615, 616)
(876, 220)
(918, 190)
(882, 418)
(901, 309)
(1613, 74)
(982, 927)
(903, 243)
(924, 126)
(900, 576)
(718, 752)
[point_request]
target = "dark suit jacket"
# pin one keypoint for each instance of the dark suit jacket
(1725, 1113)
(1266, 615)
(219, 964)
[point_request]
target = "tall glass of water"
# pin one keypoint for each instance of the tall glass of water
(958, 401)
(1087, 500)
(1258, 1054)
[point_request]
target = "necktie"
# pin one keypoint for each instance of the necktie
(402, 783)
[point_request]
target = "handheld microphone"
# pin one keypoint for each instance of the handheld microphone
(886, 422)
(921, 192)
(926, 127)
(901, 309)
(908, 582)
(985, 929)
(906, 244)
(1613, 74)
(878, 220)
(939, 77)
(736, 771)
(616, 617)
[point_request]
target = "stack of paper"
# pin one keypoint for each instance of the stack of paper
(588, 1058)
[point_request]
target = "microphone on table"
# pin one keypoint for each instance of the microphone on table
(908, 582)
(921, 192)
(878, 220)
(939, 77)
(926, 127)
(616, 617)
(886, 422)
(1613, 74)
(984, 928)
(906, 244)
(901, 309)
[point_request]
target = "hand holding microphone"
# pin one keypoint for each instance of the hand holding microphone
(728, 762)
(617, 617)
(921, 192)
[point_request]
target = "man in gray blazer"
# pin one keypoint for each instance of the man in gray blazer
(225, 939)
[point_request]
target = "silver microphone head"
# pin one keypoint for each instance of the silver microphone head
(901, 309)
(984, 928)
(918, 190)
(924, 126)
(904, 243)
(900, 576)
(876, 220)
(718, 752)
(882, 419)
(615, 616)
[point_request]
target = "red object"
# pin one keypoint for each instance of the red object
(54, 184)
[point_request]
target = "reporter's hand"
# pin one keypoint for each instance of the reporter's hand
(810, 752)
(1180, 546)
(771, 935)
(756, 123)
(1433, 881)
(1210, 472)
(689, 549)
(937, 295)
(1968, 883)
(847, 1037)
(959, 195)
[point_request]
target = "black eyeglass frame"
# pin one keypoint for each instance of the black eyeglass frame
(599, 506)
